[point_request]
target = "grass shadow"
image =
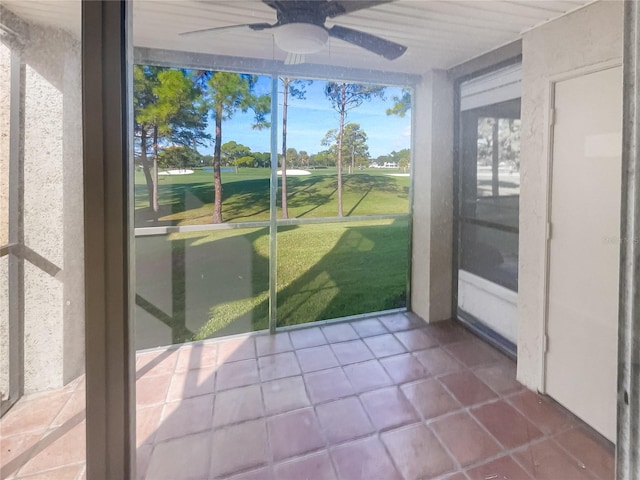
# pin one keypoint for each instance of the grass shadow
(364, 270)
(217, 284)
(184, 202)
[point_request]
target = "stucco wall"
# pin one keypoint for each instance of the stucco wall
(586, 37)
(432, 210)
(5, 69)
(5, 72)
(51, 159)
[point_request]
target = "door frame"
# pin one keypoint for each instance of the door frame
(108, 231)
(492, 66)
(549, 122)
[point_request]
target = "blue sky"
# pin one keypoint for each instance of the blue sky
(311, 118)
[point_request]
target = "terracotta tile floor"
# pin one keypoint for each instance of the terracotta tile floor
(375, 399)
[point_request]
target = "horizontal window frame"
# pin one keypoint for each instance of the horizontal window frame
(487, 224)
(212, 227)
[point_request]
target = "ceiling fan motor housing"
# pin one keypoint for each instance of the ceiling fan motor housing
(300, 27)
(300, 37)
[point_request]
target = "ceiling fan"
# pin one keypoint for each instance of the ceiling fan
(300, 28)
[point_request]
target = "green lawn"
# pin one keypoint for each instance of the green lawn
(188, 199)
(205, 284)
(202, 284)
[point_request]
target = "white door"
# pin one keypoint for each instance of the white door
(584, 248)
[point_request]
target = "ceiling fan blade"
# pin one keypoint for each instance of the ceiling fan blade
(252, 26)
(333, 9)
(386, 48)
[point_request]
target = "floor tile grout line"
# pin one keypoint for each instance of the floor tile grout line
(570, 421)
(324, 435)
(302, 347)
(505, 396)
(567, 453)
(83, 471)
(41, 436)
(388, 452)
(504, 452)
(523, 448)
(445, 447)
(378, 432)
(509, 452)
(386, 330)
(53, 419)
(302, 456)
(213, 412)
(320, 430)
(422, 421)
(468, 411)
(439, 378)
(17, 476)
(320, 369)
(272, 460)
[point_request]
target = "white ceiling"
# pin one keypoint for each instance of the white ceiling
(438, 34)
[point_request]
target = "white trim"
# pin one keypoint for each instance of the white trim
(492, 304)
(493, 87)
(176, 58)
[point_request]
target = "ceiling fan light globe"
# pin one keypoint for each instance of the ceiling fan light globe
(301, 37)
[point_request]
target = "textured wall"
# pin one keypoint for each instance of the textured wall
(73, 206)
(43, 326)
(5, 92)
(586, 37)
(433, 204)
(5, 67)
(4, 328)
(51, 157)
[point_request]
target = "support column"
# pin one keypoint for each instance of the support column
(432, 163)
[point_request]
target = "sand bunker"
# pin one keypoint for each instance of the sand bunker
(176, 172)
(293, 172)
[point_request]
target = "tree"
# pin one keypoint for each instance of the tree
(303, 157)
(292, 156)
(231, 151)
(402, 158)
(402, 104)
(226, 94)
(178, 156)
(144, 80)
(323, 158)
(354, 144)
(262, 159)
(297, 89)
(344, 97)
(246, 161)
(382, 159)
(168, 110)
